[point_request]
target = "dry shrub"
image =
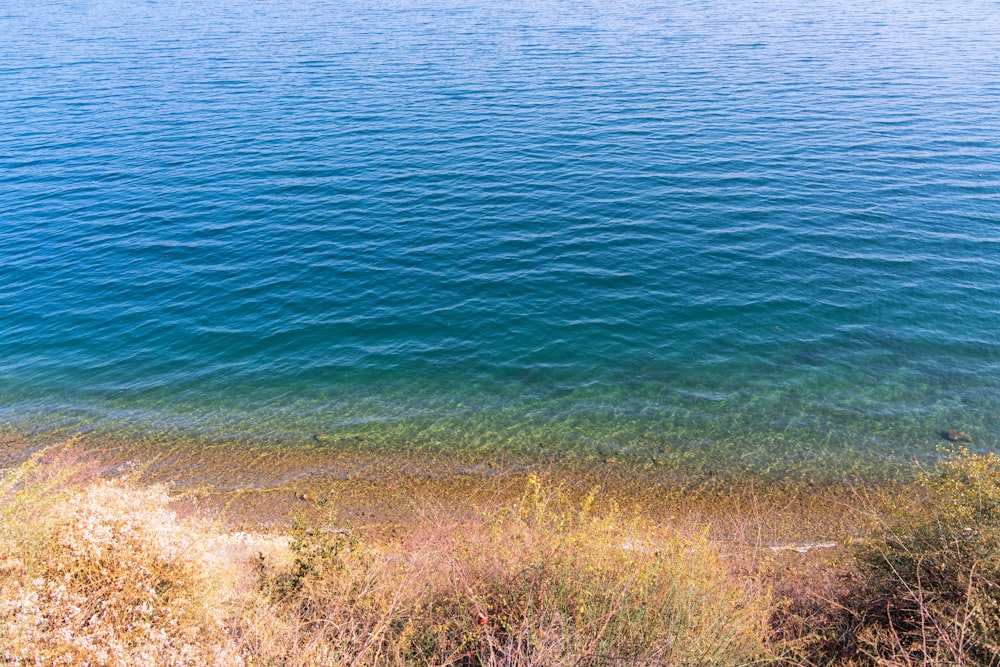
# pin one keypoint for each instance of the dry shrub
(96, 572)
(103, 575)
(335, 602)
(931, 573)
(542, 583)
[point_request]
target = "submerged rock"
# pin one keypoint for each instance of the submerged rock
(957, 436)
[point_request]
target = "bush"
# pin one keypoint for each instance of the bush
(931, 571)
(98, 572)
(540, 583)
(102, 574)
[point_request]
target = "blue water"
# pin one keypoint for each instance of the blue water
(729, 234)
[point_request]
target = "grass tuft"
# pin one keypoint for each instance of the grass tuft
(100, 572)
(539, 583)
(103, 572)
(930, 574)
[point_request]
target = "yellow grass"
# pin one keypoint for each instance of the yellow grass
(929, 588)
(535, 584)
(103, 572)
(98, 571)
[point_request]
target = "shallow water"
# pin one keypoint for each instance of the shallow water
(758, 236)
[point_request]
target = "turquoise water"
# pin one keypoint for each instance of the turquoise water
(722, 234)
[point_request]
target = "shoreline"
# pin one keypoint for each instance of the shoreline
(464, 560)
(378, 492)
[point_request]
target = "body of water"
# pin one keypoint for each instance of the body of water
(719, 234)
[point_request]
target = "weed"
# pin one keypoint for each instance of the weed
(931, 571)
(102, 573)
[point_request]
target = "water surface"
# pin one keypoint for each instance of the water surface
(726, 235)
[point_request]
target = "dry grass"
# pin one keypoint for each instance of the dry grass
(538, 584)
(103, 572)
(99, 572)
(929, 578)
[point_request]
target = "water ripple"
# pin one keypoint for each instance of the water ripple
(724, 234)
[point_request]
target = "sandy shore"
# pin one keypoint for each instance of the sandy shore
(264, 487)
